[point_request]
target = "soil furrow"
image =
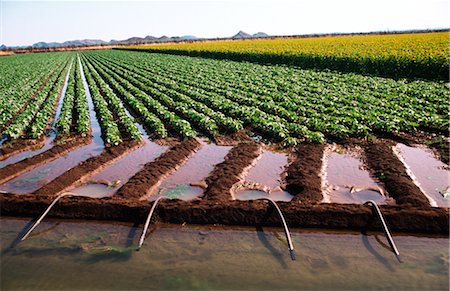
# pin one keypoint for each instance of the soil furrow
(386, 167)
(144, 182)
(303, 174)
(11, 171)
(79, 174)
(221, 180)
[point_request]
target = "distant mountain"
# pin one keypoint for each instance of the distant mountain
(260, 34)
(46, 44)
(83, 42)
(241, 34)
(188, 37)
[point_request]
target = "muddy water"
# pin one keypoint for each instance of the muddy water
(74, 255)
(266, 172)
(122, 170)
(256, 194)
(344, 172)
(430, 174)
(49, 140)
(196, 169)
(39, 176)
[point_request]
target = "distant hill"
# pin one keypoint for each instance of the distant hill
(83, 42)
(241, 34)
(93, 42)
(260, 34)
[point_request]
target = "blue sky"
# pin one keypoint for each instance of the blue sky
(28, 22)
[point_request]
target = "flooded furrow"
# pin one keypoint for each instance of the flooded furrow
(429, 174)
(107, 181)
(264, 179)
(41, 175)
(346, 180)
(188, 181)
(48, 144)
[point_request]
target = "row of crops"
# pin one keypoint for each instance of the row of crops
(182, 97)
(422, 55)
(27, 106)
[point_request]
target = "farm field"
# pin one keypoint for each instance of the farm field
(423, 55)
(117, 129)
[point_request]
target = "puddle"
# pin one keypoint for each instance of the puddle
(266, 174)
(94, 190)
(430, 174)
(343, 173)
(41, 175)
(118, 173)
(256, 194)
(29, 153)
(196, 169)
(49, 139)
(59, 253)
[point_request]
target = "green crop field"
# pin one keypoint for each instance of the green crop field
(182, 96)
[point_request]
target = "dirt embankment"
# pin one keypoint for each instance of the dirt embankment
(230, 171)
(11, 171)
(77, 175)
(303, 179)
(144, 182)
(20, 145)
(329, 215)
(385, 166)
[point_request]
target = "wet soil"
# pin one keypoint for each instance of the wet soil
(188, 181)
(231, 171)
(303, 174)
(145, 181)
(120, 171)
(430, 174)
(79, 174)
(11, 171)
(346, 179)
(328, 215)
(385, 166)
(20, 145)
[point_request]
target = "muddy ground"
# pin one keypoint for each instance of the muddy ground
(303, 174)
(230, 171)
(385, 166)
(411, 214)
(146, 180)
(17, 146)
(349, 216)
(79, 174)
(11, 171)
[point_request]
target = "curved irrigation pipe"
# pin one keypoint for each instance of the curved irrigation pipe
(45, 213)
(286, 229)
(147, 222)
(385, 228)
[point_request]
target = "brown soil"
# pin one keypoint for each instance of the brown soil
(79, 174)
(20, 145)
(221, 180)
(335, 216)
(302, 179)
(385, 166)
(232, 139)
(145, 181)
(11, 171)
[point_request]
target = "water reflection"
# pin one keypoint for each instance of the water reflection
(214, 257)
